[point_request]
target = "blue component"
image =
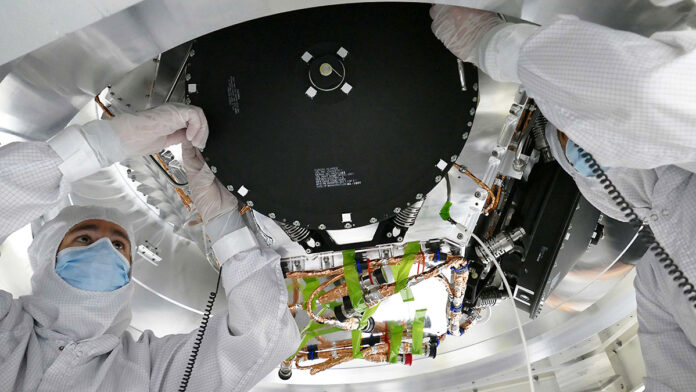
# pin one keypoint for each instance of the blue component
(461, 331)
(452, 308)
(575, 157)
(357, 265)
(437, 255)
(464, 268)
(97, 267)
(312, 352)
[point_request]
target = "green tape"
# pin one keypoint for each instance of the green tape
(368, 313)
(311, 284)
(417, 331)
(314, 329)
(407, 295)
(356, 336)
(350, 272)
(396, 332)
(445, 211)
(403, 269)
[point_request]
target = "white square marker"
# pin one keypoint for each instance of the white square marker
(311, 92)
(242, 191)
(342, 52)
(306, 57)
(346, 88)
(441, 165)
(192, 88)
(346, 217)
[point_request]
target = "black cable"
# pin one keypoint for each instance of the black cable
(199, 336)
(166, 173)
(646, 236)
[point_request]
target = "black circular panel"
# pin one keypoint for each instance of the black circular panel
(333, 116)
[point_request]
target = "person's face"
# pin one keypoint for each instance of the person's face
(87, 232)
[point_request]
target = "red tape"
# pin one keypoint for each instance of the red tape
(369, 272)
(408, 360)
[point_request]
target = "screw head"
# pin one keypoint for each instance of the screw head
(460, 236)
(475, 86)
(193, 53)
(188, 101)
(419, 196)
(322, 227)
(309, 251)
(397, 210)
(472, 111)
(213, 169)
(400, 239)
(347, 226)
(373, 220)
(438, 178)
(389, 235)
(272, 215)
(453, 158)
(230, 188)
(250, 203)
(317, 244)
(477, 194)
(188, 77)
(296, 223)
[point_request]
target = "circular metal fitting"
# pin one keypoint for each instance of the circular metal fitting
(397, 210)
(230, 188)
(438, 178)
(213, 169)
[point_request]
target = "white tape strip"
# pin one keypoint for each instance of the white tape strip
(79, 159)
(235, 242)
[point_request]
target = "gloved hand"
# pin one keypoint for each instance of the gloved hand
(146, 132)
(210, 197)
(462, 29)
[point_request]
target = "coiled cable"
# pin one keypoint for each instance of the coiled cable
(199, 337)
(646, 236)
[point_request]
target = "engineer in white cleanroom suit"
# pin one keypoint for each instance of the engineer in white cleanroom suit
(68, 335)
(630, 101)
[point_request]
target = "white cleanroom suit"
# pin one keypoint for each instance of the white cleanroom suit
(61, 338)
(630, 101)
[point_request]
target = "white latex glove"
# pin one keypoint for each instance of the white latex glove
(210, 197)
(462, 29)
(146, 132)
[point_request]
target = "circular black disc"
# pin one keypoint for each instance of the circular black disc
(314, 114)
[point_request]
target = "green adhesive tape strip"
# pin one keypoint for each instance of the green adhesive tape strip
(311, 284)
(314, 329)
(350, 272)
(417, 333)
(396, 332)
(356, 336)
(445, 211)
(403, 269)
(407, 295)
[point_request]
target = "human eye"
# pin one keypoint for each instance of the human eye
(83, 239)
(118, 245)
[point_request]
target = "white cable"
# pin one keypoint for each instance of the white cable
(164, 297)
(507, 287)
(604, 271)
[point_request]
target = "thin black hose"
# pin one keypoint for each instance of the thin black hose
(646, 236)
(199, 337)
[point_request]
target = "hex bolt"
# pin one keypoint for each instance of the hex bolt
(347, 226)
(400, 239)
(475, 86)
(438, 178)
(322, 227)
(472, 111)
(296, 223)
(460, 236)
(373, 220)
(419, 196)
(309, 251)
(272, 215)
(317, 244)
(250, 203)
(389, 235)
(397, 210)
(230, 188)
(477, 194)
(193, 53)
(188, 101)
(188, 77)
(453, 158)
(213, 169)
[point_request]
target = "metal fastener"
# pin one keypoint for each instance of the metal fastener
(419, 196)
(192, 53)
(213, 169)
(389, 235)
(472, 111)
(322, 227)
(309, 251)
(296, 223)
(397, 210)
(188, 77)
(188, 100)
(453, 158)
(347, 226)
(477, 194)
(438, 178)
(373, 220)
(250, 203)
(317, 244)
(400, 239)
(272, 215)
(475, 86)
(460, 236)
(230, 188)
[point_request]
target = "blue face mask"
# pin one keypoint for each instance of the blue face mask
(575, 158)
(98, 267)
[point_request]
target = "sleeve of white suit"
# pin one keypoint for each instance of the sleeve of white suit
(30, 181)
(628, 99)
(251, 339)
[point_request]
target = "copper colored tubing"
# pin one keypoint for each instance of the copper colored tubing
(244, 210)
(308, 305)
(103, 107)
(491, 195)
